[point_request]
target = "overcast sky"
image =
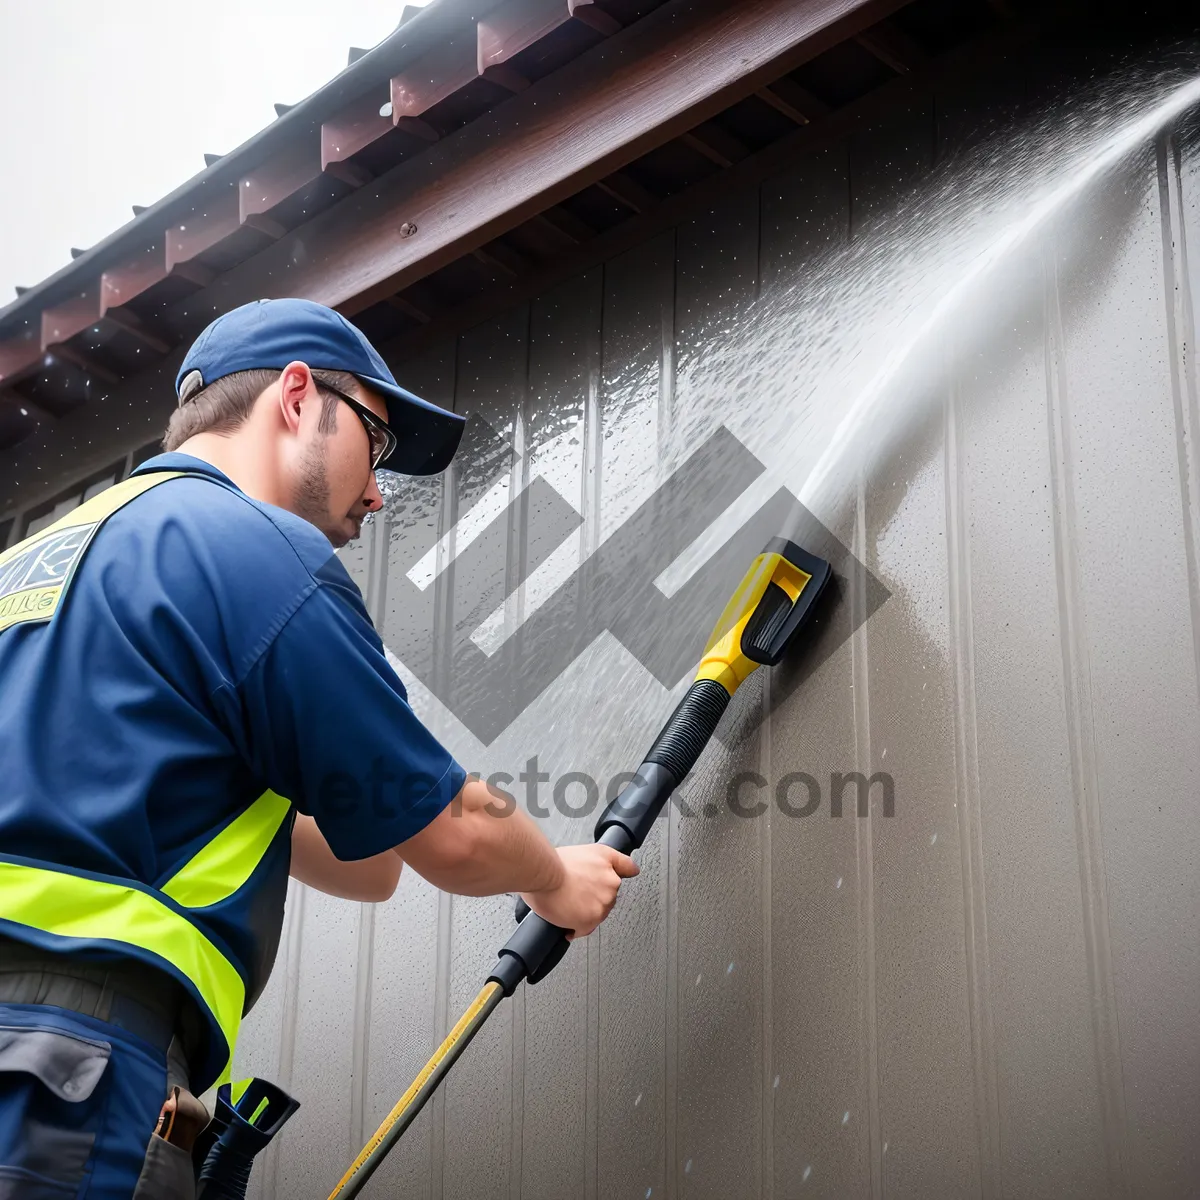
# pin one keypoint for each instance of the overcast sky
(110, 103)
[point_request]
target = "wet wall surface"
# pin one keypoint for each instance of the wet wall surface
(993, 992)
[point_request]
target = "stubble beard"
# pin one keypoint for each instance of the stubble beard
(312, 495)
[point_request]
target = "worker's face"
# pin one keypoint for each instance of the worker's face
(334, 486)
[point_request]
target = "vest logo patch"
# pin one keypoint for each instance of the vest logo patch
(34, 578)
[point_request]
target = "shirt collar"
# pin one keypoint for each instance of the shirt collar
(174, 461)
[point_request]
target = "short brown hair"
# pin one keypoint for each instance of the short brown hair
(225, 404)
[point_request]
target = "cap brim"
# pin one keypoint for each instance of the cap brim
(426, 436)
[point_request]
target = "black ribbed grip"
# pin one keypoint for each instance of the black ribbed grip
(689, 727)
(766, 623)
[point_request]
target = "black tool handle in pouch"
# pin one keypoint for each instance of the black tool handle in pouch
(225, 1150)
(537, 947)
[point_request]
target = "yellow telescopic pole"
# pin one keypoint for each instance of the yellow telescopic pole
(425, 1084)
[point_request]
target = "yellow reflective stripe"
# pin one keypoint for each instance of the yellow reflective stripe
(97, 509)
(75, 907)
(35, 573)
(224, 864)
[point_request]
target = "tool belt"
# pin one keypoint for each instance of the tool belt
(146, 1003)
(126, 993)
(188, 1156)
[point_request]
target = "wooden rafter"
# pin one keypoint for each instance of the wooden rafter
(828, 130)
(272, 182)
(213, 221)
(409, 309)
(501, 259)
(263, 224)
(194, 272)
(83, 362)
(26, 405)
(514, 26)
(655, 80)
(354, 128)
(715, 144)
(564, 224)
(893, 47)
(796, 103)
(18, 357)
(125, 320)
(140, 272)
(352, 173)
(73, 316)
(627, 191)
(444, 70)
(591, 14)
(506, 76)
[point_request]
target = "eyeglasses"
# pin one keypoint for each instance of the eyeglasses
(383, 440)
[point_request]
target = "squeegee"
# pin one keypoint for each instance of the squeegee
(758, 625)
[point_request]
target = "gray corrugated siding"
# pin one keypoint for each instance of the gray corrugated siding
(992, 994)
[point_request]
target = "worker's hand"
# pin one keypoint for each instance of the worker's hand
(591, 876)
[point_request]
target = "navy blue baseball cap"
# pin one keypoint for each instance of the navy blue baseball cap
(269, 334)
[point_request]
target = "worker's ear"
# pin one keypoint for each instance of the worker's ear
(294, 389)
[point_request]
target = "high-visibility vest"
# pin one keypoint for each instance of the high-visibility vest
(170, 925)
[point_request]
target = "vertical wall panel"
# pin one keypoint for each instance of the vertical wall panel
(925, 1086)
(324, 1047)
(492, 376)
(720, 865)
(636, 1077)
(1136, 830)
(1038, 1121)
(815, 1067)
(564, 347)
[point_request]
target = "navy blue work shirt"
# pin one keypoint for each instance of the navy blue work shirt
(210, 647)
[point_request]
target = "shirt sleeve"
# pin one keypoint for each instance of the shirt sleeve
(328, 725)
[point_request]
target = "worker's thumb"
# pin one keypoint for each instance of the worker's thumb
(623, 865)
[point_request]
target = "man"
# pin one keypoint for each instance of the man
(195, 702)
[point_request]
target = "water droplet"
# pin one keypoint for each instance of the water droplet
(649, 1190)
(638, 1100)
(846, 1118)
(807, 1173)
(839, 882)
(729, 969)
(698, 980)
(885, 1147)
(776, 1083)
(933, 840)
(687, 1167)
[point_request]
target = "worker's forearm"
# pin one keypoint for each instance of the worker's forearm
(482, 845)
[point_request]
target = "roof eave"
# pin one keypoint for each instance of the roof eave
(380, 63)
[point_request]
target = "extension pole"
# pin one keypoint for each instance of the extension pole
(761, 620)
(425, 1084)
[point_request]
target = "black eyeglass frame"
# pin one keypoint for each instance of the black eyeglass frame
(373, 424)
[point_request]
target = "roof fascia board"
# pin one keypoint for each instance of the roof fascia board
(682, 64)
